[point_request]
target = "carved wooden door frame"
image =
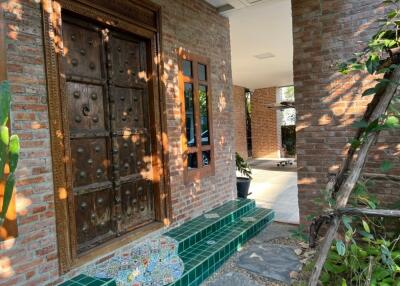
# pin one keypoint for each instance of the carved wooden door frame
(145, 23)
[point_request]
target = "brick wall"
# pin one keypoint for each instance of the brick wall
(326, 32)
(31, 259)
(239, 112)
(184, 25)
(264, 121)
(33, 255)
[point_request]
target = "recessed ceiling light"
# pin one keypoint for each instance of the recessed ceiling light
(264, 56)
(251, 2)
(225, 8)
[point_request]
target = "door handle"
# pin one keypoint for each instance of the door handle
(85, 110)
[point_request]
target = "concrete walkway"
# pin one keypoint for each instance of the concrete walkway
(276, 188)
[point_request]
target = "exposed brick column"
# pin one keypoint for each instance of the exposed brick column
(264, 123)
(325, 33)
(239, 111)
(30, 259)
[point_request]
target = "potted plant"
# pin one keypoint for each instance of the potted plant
(243, 182)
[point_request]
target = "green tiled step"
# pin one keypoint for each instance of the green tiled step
(195, 230)
(206, 256)
(84, 280)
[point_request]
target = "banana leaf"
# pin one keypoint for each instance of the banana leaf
(4, 141)
(8, 192)
(5, 100)
(13, 152)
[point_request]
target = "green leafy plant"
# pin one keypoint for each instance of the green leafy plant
(380, 57)
(242, 166)
(9, 151)
(300, 233)
(367, 250)
(367, 253)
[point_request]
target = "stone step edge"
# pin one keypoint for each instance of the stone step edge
(204, 232)
(198, 272)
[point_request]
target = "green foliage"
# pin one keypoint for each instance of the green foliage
(242, 166)
(369, 249)
(5, 102)
(9, 150)
(4, 141)
(360, 196)
(363, 247)
(340, 248)
(365, 243)
(378, 48)
(289, 139)
(9, 187)
(386, 166)
(300, 233)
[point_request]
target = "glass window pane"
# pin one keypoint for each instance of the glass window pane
(206, 155)
(192, 161)
(189, 108)
(203, 98)
(202, 72)
(187, 68)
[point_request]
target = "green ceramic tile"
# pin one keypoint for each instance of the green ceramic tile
(197, 229)
(185, 280)
(67, 283)
(205, 243)
(207, 255)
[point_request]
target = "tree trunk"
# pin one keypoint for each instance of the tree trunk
(368, 212)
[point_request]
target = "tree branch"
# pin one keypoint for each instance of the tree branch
(368, 212)
(327, 218)
(345, 189)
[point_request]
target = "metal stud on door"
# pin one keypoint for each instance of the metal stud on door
(85, 89)
(108, 117)
(130, 128)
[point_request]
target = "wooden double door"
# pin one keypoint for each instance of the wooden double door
(108, 119)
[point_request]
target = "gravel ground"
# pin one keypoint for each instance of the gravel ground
(275, 234)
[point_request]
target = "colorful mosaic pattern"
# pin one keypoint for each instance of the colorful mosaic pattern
(186, 255)
(152, 263)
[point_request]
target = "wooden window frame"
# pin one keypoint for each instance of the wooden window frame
(118, 14)
(200, 172)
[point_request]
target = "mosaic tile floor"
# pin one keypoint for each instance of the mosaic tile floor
(186, 255)
(154, 262)
(84, 280)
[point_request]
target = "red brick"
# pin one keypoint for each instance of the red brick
(327, 32)
(264, 122)
(240, 121)
(183, 25)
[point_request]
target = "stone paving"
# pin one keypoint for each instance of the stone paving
(267, 259)
(271, 261)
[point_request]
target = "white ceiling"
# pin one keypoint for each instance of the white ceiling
(262, 27)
